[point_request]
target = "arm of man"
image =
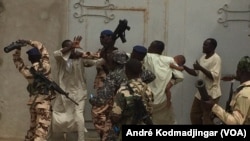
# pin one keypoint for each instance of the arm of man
(93, 62)
(178, 75)
(189, 70)
(197, 66)
(45, 55)
(238, 115)
(18, 61)
(240, 105)
(173, 66)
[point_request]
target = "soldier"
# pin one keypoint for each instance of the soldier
(240, 104)
(103, 101)
(40, 96)
(139, 52)
(108, 43)
(125, 106)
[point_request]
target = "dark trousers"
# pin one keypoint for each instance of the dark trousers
(199, 115)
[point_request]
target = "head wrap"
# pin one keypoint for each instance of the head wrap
(33, 52)
(107, 32)
(120, 57)
(244, 64)
(140, 49)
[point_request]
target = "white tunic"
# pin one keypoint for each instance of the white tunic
(160, 66)
(213, 64)
(68, 117)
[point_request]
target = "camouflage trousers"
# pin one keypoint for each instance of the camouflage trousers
(101, 120)
(40, 112)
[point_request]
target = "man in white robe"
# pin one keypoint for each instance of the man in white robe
(68, 118)
(160, 66)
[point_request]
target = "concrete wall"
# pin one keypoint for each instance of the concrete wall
(45, 21)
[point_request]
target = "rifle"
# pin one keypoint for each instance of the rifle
(228, 108)
(50, 84)
(142, 113)
(120, 30)
(200, 85)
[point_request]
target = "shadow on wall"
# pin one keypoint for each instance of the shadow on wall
(1, 10)
(1, 108)
(1, 6)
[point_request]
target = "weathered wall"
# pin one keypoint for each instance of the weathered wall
(45, 21)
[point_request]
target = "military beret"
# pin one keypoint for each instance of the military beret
(33, 51)
(120, 57)
(107, 32)
(244, 64)
(140, 49)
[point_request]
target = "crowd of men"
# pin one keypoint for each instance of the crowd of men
(131, 88)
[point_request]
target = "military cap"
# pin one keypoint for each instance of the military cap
(140, 49)
(244, 64)
(120, 57)
(107, 32)
(33, 52)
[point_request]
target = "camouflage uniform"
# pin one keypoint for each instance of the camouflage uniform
(147, 76)
(102, 70)
(103, 101)
(40, 100)
(124, 107)
(240, 104)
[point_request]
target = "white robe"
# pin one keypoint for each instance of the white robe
(160, 66)
(66, 116)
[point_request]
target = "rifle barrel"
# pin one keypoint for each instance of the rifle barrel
(72, 100)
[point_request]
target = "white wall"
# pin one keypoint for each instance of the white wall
(190, 23)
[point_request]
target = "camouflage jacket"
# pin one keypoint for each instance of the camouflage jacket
(124, 106)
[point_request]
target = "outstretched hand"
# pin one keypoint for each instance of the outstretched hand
(76, 41)
(197, 65)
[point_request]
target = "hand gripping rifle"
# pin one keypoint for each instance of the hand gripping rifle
(51, 84)
(200, 85)
(120, 30)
